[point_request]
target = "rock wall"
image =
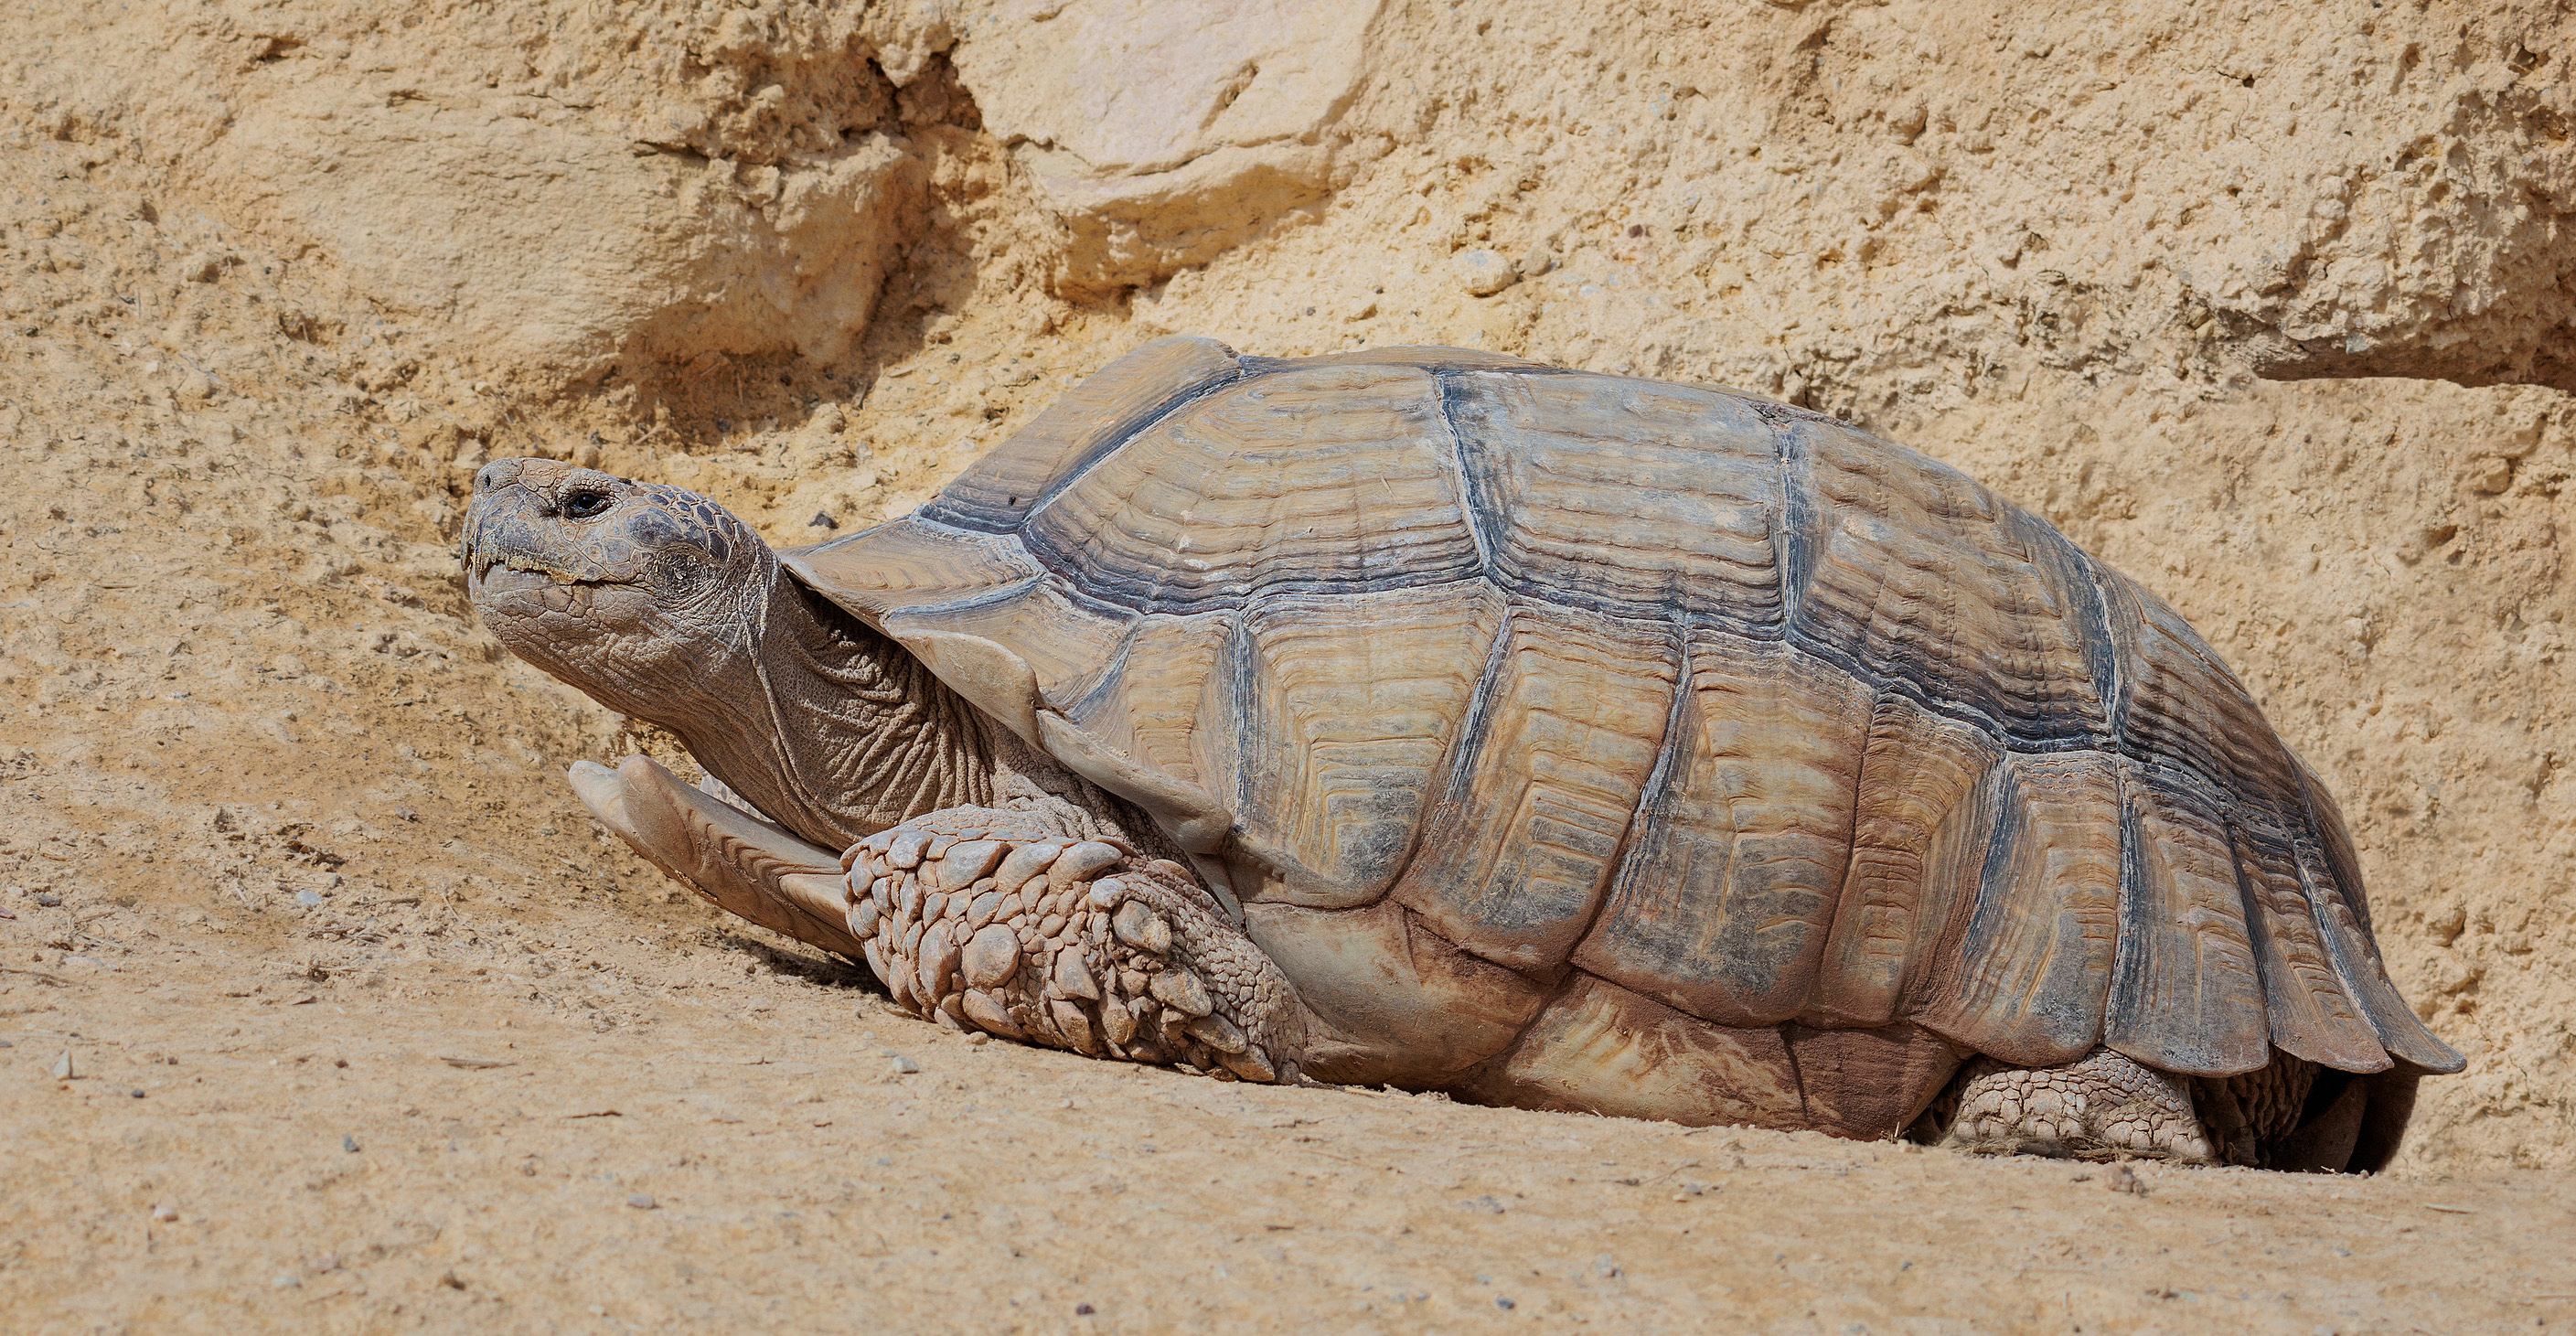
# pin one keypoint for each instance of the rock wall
(2270, 304)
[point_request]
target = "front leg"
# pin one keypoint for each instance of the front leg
(990, 920)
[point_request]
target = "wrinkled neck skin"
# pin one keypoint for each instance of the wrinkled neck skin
(829, 728)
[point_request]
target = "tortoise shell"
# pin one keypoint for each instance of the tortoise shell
(1488, 688)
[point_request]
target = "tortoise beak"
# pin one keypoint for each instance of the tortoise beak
(510, 521)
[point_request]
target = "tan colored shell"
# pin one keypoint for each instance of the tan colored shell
(1539, 717)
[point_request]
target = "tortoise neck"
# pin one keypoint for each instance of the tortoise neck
(832, 729)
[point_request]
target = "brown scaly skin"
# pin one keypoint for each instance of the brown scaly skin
(1011, 923)
(662, 606)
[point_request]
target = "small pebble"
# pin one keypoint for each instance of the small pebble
(1082, 1310)
(904, 1066)
(308, 899)
(1504, 1304)
(288, 1281)
(49, 900)
(349, 1144)
(643, 1201)
(165, 1214)
(1483, 272)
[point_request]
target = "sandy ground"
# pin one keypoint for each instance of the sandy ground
(764, 1145)
(284, 844)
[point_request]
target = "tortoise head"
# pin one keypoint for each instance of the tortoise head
(638, 594)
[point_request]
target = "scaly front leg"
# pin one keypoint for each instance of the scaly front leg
(990, 920)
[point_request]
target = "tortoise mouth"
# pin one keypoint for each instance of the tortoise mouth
(511, 587)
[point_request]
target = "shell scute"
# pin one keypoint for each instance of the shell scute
(912, 563)
(2022, 973)
(1917, 771)
(1310, 480)
(1097, 416)
(1928, 585)
(2186, 995)
(1167, 697)
(1067, 642)
(1518, 851)
(1625, 497)
(1351, 704)
(1724, 902)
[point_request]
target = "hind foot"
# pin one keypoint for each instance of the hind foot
(989, 920)
(2103, 1106)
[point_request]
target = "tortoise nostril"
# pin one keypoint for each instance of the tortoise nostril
(488, 477)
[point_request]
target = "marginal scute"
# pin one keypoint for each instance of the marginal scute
(989, 676)
(2333, 879)
(1101, 413)
(1917, 770)
(2185, 996)
(1067, 644)
(1404, 1006)
(1600, 1048)
(2022, 971)
(911, 563)
(2310, 1013)
(1197, 821)
(1868, 1083)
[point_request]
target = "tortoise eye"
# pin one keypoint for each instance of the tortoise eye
(584, 504)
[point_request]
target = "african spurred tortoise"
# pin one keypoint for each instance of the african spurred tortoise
(1554, 739)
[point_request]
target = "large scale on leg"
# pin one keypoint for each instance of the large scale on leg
(1556, 739)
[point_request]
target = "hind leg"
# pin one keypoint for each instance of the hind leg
(2102, 1106)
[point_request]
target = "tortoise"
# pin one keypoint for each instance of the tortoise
(1436, 719)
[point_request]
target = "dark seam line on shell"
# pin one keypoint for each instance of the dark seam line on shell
(1110, 442)
(1623, 859)
(1467, 743)
(2351, 966)
(1797, 1074)
(2185, 753)
(1794, 515)
(1977, 933)
(2357, 963)
(2258, 931)
(2129, 941)
(1851, 848)
(1112, 673)
(981, 538)
(2018, 735)
(990, 598)
(1471, 501)
(2112, 686)
(1240, 654)
(2317, 808)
